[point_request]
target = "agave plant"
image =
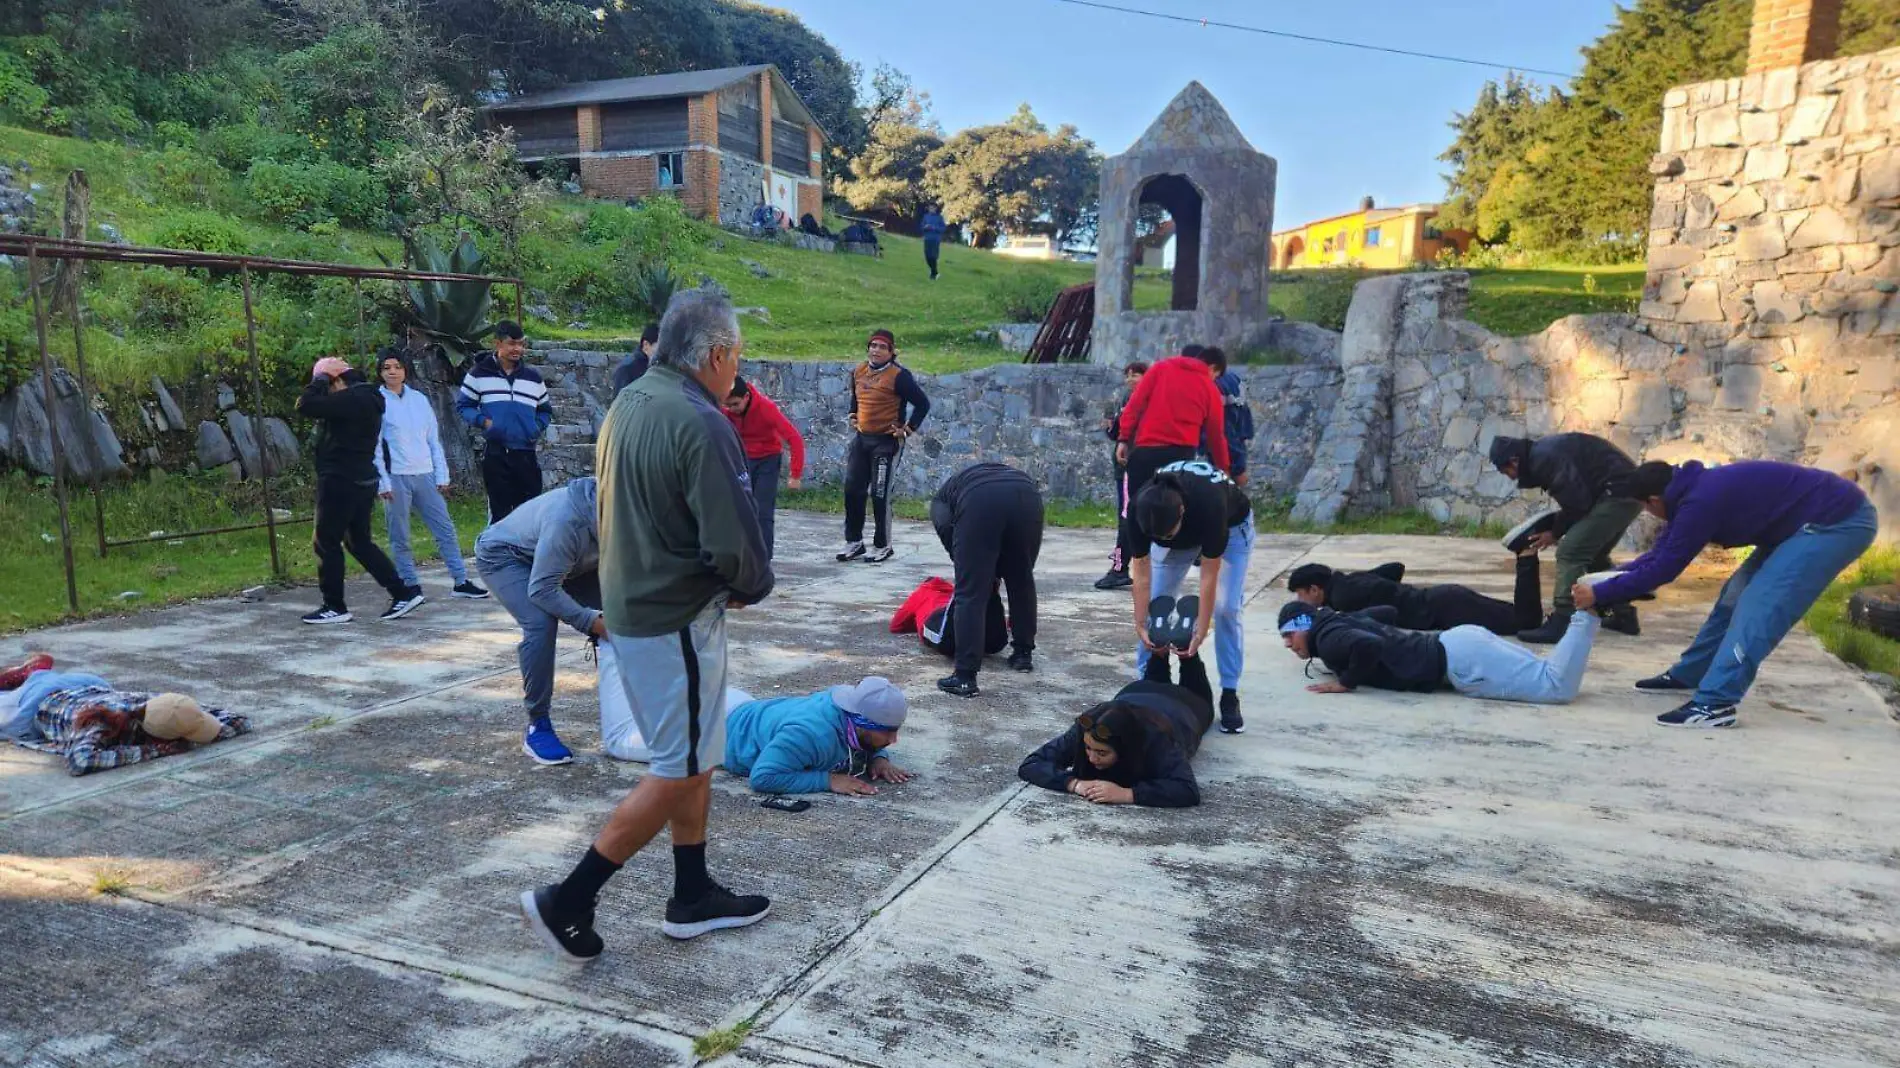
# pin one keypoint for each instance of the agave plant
(654, 284)
(455, 314)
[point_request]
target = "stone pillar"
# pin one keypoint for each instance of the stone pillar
(765, 118)
(1788, 33)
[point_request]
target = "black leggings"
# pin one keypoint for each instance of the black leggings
(999, 537)
(868, 464)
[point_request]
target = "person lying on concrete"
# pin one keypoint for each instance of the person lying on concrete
(1136, 748)
(887, 406)
(528, 559)
(1191, 507)
(1368, 649)
(1440, 607)
(815, 743)
(765, 434)
(928, 611)
(630, 369)
(83, 720)
(1576, 470)
(989, 518)
(14, 677)
(1806, 527)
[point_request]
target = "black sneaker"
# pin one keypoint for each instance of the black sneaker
(1114, 580)
(573, 935)
(327, 614)
(402, 606)
(1622, 619)
(1519, 537)
(958, 686)
(468, 589)
(1230, 721)
(1554, 627)
(1662, 683)
(1701, 716)
(851, 551)
(716, 910)
(1021, 660)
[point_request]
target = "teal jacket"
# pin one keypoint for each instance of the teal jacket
(788, 745)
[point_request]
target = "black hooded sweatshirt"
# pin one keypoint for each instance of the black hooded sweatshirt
(1573, 468)
(1356, 591)
(1368, 649)
(349, 423)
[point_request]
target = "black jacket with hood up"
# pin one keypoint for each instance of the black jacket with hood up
(1368, 649)
(1573, 468)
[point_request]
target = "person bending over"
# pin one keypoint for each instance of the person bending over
(887, 406)
(1575, 469)
(1135, 749)
(989, 518)
(1806, 527)
(811, 744)
(1368, 649)
(765, 434)
(1191, 508)
(1173, 411)
(528, 559)
(1419, 607)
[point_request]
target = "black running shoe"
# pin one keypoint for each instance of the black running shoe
(1160, 610)
(716, 910)
(1230, 721)
(402, 606)
(573, 935)
(1186, 618)
(1621, 618)
(327, 615)
(1114, 580)
(1021, 660)
(1699, 716)
(1519, 537)
(468, 589)
(958, 686)
(1662, 683)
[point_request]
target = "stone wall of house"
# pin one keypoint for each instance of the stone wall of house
(1046, 420)
(740, 183)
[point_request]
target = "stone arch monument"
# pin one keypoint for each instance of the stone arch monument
(1194, 162)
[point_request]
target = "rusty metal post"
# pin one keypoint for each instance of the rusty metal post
(362, 350)
(257, 427)
(52, 427)
(518, 313)
(85, 387)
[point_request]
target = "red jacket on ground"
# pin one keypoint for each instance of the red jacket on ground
(764, 431)
(1177, 403)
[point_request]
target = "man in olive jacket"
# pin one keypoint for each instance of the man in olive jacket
(1575, 469)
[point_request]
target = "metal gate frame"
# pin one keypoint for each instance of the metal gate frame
(36, 248)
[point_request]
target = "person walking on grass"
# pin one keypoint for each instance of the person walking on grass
(1174, 410)
(887, 406)
(764, 434)
(412, 474)
(1575, 470)
(932, 227)
(679, 546)
(1117, 576)
(506, 400)
(1806, 527)
(348, 412)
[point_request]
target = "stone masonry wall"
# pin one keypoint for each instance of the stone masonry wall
(740, 182)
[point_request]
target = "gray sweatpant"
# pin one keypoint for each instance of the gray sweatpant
(507, 578)
(419, 492)
(1481, 664)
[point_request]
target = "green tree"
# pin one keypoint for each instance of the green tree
(886, 178)
(1497, 132)
(1016, 176)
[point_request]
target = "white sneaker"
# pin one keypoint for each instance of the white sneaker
(852, 551)
(402, 606)
(879, 555)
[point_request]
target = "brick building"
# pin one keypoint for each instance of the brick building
(717, 139)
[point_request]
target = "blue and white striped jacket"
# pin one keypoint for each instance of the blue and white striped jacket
(515, 405)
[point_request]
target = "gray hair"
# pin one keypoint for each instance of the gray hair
(696, 321)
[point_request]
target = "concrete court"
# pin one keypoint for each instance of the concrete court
(1374, 879)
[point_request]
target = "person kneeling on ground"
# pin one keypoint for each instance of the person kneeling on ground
(1419, 608)
(989, 518)
(1135, 749)
(807, 745)
(1368, 649)
(527, 559)
(1576, 470)
(82, 719)
(1806, 526)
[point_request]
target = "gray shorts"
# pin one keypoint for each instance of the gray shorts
(676, 686)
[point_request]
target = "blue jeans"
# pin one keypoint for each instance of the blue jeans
(507, 575)
(1230, 642)
(764, 476)
(1478, 663)
(418, 492)
(1761, 602)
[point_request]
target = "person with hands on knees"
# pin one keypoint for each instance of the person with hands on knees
(1135, 749)
(819, 742)
(528, 559)
(1806, 527)
(989, 518)
(1192, 508)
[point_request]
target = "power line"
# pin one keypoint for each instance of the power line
(1312, 39)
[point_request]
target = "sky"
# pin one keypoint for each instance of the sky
(1342, 123)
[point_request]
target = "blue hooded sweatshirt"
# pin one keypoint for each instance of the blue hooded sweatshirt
(1755, 502)
(788, 745)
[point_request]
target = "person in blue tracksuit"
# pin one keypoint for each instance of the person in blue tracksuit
(815, 743)
(932, 227)
(506, 400)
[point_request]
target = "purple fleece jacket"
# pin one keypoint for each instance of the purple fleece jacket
(1755, 502)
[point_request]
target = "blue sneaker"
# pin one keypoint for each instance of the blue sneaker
(1701, 716)
(541, 744)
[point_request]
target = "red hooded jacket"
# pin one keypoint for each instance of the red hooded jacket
(1177, 403)
(764, 431)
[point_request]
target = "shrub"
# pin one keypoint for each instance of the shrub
(22, 101)
(180, 175)
(306, 193)
(654, 285)
(166, 299)
(202, 231)
(607, 224)
(1023, 296)
(663, 232)
(238, 146)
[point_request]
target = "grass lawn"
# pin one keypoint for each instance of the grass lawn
(1828, 617)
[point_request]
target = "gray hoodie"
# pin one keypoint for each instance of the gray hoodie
(558, 535)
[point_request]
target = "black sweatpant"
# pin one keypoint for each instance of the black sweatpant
(1143, 462)
(512, 477)
(999, 537)
(869, 462)
(1456, 606)
(1193, 691)
(931, 245)
(1118, 561)
(344, 509)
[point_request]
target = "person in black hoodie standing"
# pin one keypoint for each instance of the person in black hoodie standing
(989, 518)
(1575, 469)
(349, 416)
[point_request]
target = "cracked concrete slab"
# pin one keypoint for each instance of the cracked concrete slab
(1394, 879)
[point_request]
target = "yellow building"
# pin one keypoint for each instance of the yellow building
(1370, 237)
